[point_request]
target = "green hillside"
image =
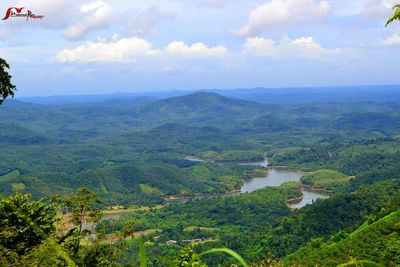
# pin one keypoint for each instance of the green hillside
(113, 149)
(325, 179)
(377, 240)
(138, 157)
(199, 109)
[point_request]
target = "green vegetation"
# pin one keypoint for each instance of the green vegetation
(395, 16)
(24, 224)
(374, 240)
(18, 186)
(342, 212)
(377, 240)
(234, 156)
(136, 156)
(7, 89)
(149, 190)
(326, 179)
(115, 150)
(29, 236)
(10, 176)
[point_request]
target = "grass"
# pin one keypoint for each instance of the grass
(205, 229)
(18, 186)
(325, 179)
(149, 190)
(102, 186)
(229, 252)
(10, 176)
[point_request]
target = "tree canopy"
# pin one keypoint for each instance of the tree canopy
(24, 224)
(6, 87)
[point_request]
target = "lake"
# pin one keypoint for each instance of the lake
(277, 177)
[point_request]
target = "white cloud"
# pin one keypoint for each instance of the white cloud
(261, 46)
(93, 16)
(131, 49)
(144, 23)
(303, 48)
(308, 48)
(276, 14)
(377, 9)
(116, 50)
(392, 40)
(198, 50)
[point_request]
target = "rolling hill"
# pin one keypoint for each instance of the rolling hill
(373, 242)
(205, 108)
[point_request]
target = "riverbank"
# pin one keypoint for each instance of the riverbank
(295, 200)
(275, 176)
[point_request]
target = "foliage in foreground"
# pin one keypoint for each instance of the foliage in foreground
(24, 224)
(6, 87)
(28, 235)
(29, 238)
(395, 16)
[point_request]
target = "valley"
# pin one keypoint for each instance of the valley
(193, 170)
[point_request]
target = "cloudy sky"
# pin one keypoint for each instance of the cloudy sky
(89, 46)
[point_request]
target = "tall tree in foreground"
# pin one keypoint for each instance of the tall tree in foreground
(83, 205)
(395, 16)
(85, 213)
(6, 87)
(27, 233)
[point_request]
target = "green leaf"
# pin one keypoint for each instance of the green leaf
(227, 251)
(395, 16)
(142, 255)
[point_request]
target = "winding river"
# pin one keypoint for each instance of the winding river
(275, 177)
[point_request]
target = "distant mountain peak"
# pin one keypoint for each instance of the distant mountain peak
(206, 105)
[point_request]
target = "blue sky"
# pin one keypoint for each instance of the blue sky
(85, 47)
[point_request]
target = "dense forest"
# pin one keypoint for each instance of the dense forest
(160, 177)
(243, 177)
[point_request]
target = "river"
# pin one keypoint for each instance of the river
(276, 177)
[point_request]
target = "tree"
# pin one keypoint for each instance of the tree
(188, 258)
(395, 16)
(6, 87)
(28, 233)
(83, 205)
(25, 224)
(101, 253)
(129, 229)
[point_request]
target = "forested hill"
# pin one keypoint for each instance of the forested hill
(120, 149)
(200, 109)
(140, 155)
(377, 240)
(333, 94)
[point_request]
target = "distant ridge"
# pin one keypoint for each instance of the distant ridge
(198, 101)
(347, 94)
